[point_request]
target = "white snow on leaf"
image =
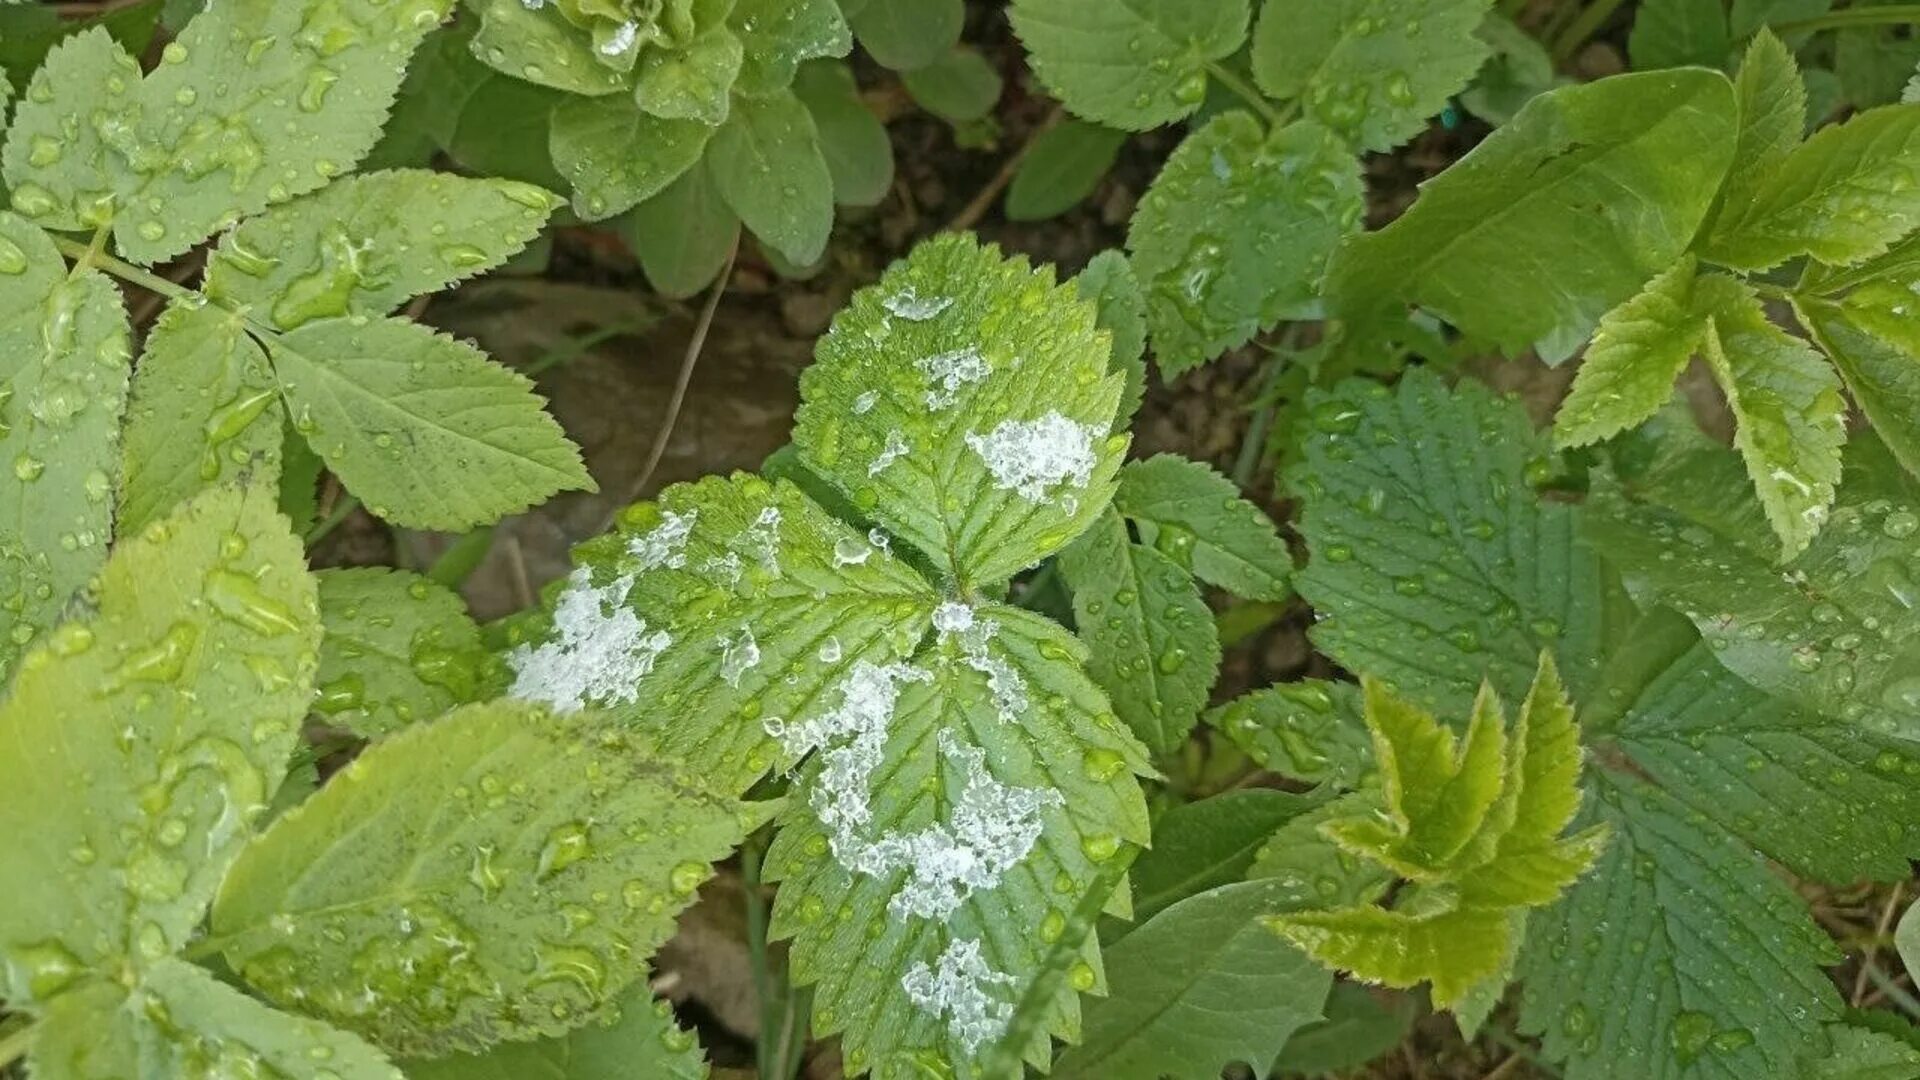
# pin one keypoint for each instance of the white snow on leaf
(622, 39)
(738, 656)
(952, 617)
(666, 544)
(1032, 457)
(848, 551)
(599, 652)
(864, 404)
(1008, 688)
(762, 538)
(960, 986)
(911, 306)
(991, 828)
(895, 449)
(949, 371)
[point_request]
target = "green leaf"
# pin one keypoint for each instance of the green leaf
(1831, 629)
(1519, 70)
(284, 98)
(923, 907)
(64, 354)
(1693, 926)
(1882, 377)
(1842, 196)
(642, 1042)
(616, 156)
(1419, 515)
(853, 140)
(1134, 65)
(1201, 985)
(907, 34)
(1108, 282)
(427, 430)
(201, 412)
(1318, 872)
(1204, 845)
(1773, 118)
(1652, 147)
(370, 243)
(1873, 63)
(1149, 632)
(1371, 72)
(1190, 511)
(965, 403)
(684, 234)
(57, 162)
(781, 36)
(1453, 948)
(959, 87)
(1211, 288)
(1791, 420)
(137, 793)
(689, 620)
(540, 47)
(1637, 352)
(1358, 1029)
(695, 81)
(1865, 1054)
(1677, 33)
(1309, 730)
(1750, 15)
(398, 649)
(508, 875)
(1063, 165)
(768, 165)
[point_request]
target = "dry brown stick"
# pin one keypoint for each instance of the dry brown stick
(1873, 946)
(983, 202)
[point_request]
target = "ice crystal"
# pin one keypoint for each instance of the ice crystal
(1033, 456)
(738, 655)
(895, 449)
(911, 306)
(960, 987)
(599, 652)
(864, 404)
(666, 544)
(949, 371)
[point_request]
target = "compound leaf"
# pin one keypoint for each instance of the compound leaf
(508, 874)
(1868, 1053)
(643, 1041)
(427, 430)
(140, 791)
(1773, 119)
(965, 403)
(1197, 987)
(1791, 421)
(398, 648)
(1637, 352)
(1193, 513)
(956, 810)
(1651, 147)
(64, 354)
(1148, 630)
(1293, 195)
(767, 162)
(726, 602)
(1419, 510)
(256, 102)
(616, 156)
(1133, 65)
(57, 161)
(1108, 281)
(1864, 337)
(1842, 196)
(185, 1017)
(369, 243)
(1371, 72)
(201, 412)
(1203, 845)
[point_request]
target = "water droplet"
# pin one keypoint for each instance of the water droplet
(566, 844)
(686, 877)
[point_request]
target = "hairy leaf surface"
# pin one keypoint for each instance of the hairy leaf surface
(497, 874)
(138, 791)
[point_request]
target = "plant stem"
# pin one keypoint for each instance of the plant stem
(125, 271)
(1247, 93)
(767, 1050)
(14, 1047)
(1894, 991)
(341, 511)
(1582, 28)
(1891, 15)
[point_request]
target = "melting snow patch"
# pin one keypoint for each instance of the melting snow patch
(958, 989)
(666, 545)
(909, 305)
(952, 617)
(848, 551)
(726, 567)
(622, 39)
(895, 449)
(863, 404)
(599, 652)
(991, 828)
(1032, 456)
(878, 539)
(949, 371)
(762, 538)
(738, 656)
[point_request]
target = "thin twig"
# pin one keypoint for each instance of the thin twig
(1873, 946)
(694, 344)
(970, 216)
(517, 565)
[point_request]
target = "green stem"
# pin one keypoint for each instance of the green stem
(757, 957)
(341, 512)
(1891, 15)
(1894, 991)
(1582, 28)
(125, 271)
(1247, 93)
(14, 1047)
